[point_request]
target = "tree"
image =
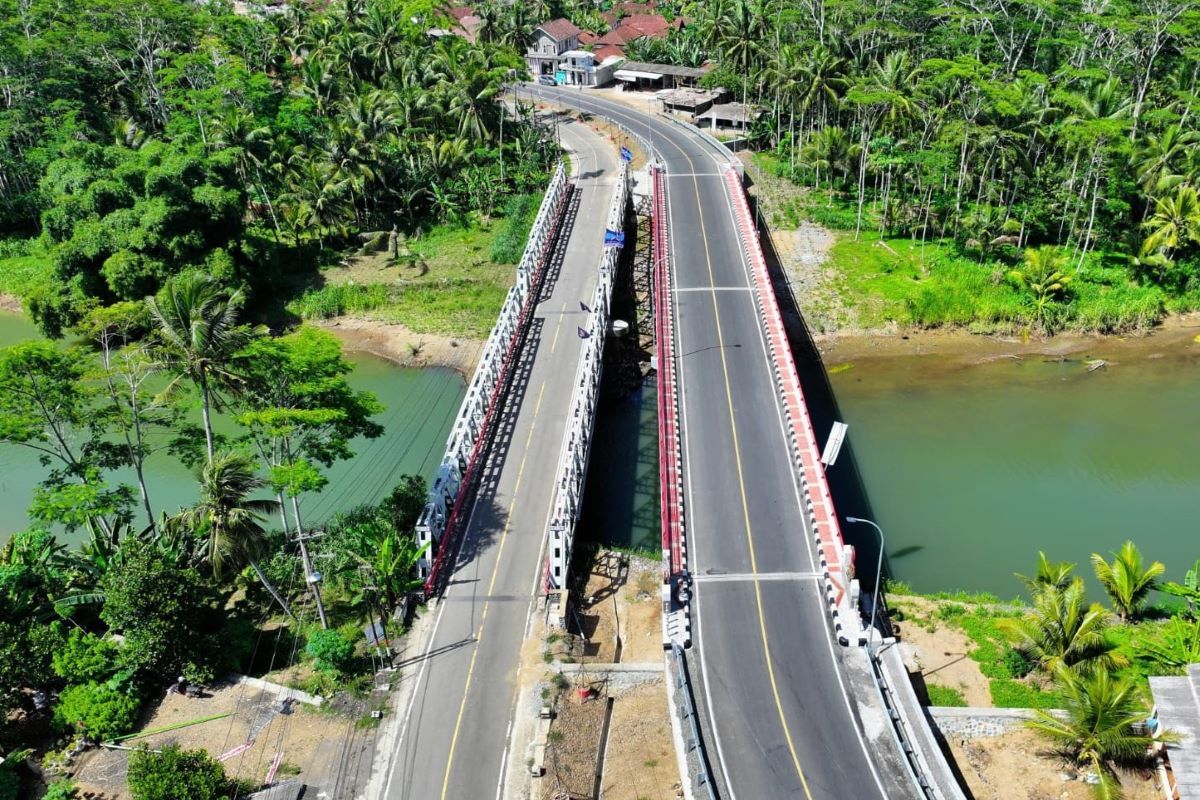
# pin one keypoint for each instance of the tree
(174, 774)
(1054, 575)
(1044, 281)
(1174, 224)
(164, 611)
(332, 651)
(229, 520)
(1063, 630)
(1189, 590)
(1127, 583)
(1098, 732)
(196, 335)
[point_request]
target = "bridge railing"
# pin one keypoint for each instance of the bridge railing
(581, 416)
(445, 508)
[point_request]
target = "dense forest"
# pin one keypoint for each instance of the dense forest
(1002, 125)
(140, 140)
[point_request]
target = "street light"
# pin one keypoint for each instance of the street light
(878, 575)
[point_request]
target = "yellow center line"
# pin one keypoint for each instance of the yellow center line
(462, 707)
(737, 454)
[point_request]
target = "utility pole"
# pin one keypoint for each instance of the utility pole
(312, 578)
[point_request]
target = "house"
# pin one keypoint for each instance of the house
(728, 116)
(551, 40)
(582, 68)
(641, 75)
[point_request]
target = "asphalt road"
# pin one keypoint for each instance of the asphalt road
(779, 719)
(453, 740)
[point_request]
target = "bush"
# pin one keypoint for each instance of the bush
(945, 696)
(332, 651)
(100, 709)
(1017, 663)
(10, 783)
(176, 774)
(519, 213)
(60, 790)
(1007, 693)
(85, 658)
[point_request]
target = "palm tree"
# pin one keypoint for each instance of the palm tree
(1160, 159)
(1126, 582)
(230, 520)
(196, 334)
(1098, 731)
(1065, 631)
(1176, 221)
(1043, 280)
(1049, 575)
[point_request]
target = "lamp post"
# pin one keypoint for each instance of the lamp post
(878, 575)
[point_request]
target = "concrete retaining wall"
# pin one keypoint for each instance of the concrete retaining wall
(980, 723)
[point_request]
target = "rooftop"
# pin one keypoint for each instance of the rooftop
(734, 112)
(1178, 704)
(559, 29)
(664, 69)
(689, 98)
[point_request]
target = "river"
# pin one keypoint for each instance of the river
(973, 459)
(420, 406)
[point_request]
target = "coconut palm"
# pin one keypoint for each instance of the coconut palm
(229, 520)
(1043, 279)
(196, 334)
(1065, 631)
(1049, 575)
(1098, 730)
(1128, 584)
(1176, 221)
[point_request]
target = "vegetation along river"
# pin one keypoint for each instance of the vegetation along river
(420, 406)
(979, 453)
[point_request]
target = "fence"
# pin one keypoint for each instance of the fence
(448, 498)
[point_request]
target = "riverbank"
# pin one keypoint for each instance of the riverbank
(402, 346)
(1177, 336)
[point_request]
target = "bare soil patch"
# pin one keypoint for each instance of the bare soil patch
(940, 651)
(639, 763)
(402, 346)
(1019, 766)
(309, 739)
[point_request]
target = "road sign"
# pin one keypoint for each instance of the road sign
(626, 154)
(834, 445)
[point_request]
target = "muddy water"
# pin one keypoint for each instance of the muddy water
(976, 453)
(421, 404)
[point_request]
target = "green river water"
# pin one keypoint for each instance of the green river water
(971, 470)
(420, 406)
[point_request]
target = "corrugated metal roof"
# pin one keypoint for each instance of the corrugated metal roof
(664, 69)
(1178, 703)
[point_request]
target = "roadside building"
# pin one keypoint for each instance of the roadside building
(582, 68)
(1177, 709)
(690, 102)
(728, 117)
(551, 41)
(641, 75)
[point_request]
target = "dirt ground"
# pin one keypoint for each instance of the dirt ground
(639, 760)
(311, 741)
(1017, 766)
(941, 654)
(400, 345)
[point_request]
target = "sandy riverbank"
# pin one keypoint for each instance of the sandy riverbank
(12, 303)
(402, 346)
(1178, 335)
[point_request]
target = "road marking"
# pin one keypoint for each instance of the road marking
(713, 289)
(808, 539)
(723, 577)
(737, 453)
(462, 706)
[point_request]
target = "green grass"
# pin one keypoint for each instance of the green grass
(896, 280)
(945, 696)
(451, 281)
(22, 266)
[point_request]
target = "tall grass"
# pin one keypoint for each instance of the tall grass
(334, 301)
(519, 213)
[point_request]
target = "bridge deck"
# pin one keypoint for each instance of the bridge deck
(780, 717)
(454, 731)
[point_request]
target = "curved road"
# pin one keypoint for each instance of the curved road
(780, 718)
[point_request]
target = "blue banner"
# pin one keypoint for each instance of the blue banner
(614, 238)
(626, 154)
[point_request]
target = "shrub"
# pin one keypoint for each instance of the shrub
(945, 696)
(950, 611)
(60, 790)
(176, 773)
(332, 651)
(1007, 693)
(100, 709)
(10, 783)
(519, 213)
(85, 658)
(1017, 663)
